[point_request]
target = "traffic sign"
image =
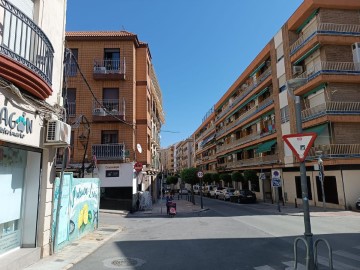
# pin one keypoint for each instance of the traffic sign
(276, 182)
(300, 143)
(200, 174)
(262, 176)
(275, 178)
(138, 166)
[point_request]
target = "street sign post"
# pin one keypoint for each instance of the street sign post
(200, 175)
(300, 143)
(276, 183)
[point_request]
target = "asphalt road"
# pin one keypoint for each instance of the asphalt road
(227, 236)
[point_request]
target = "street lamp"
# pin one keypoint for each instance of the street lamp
(321, 178)
(291, 85)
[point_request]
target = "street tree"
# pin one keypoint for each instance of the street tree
(215, 178)
(189, 176)
(237, 177)
(207, 178)
(250, 175)
(226, 178)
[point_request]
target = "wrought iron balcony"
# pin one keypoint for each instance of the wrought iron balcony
(331, 108)
(112, 151)
(109, 69)
(109, 107)
(325, 29)
(24, 42)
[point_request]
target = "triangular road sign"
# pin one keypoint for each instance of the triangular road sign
(300, 143)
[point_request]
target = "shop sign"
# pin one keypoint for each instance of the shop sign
(14, 125)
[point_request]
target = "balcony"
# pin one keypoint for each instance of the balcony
(244, 93)
(111, 110)
(70, 109)
(265, 160)
(335, 151)
(25, 50)
(331, 108)
(113, 151)
(109, 69)
(325, 29)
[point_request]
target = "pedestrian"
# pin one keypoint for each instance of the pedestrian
(168, 201)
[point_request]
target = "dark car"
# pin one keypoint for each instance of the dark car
(246, 196)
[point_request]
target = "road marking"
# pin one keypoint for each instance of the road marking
(291, 264)
(347, 255)
(337, 265)
(264, 267)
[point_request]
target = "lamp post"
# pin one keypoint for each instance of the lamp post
(291, 84)
(321, 178)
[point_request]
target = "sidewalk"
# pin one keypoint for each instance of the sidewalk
(78, 250)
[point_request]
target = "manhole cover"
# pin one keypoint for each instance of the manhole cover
(123, 262)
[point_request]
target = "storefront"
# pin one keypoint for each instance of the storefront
(20, 167)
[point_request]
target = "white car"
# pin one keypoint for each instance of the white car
(226, 193)
(183, 191)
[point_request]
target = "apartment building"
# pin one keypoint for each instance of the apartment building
(112, 84)
(205, 144)
(167, 160)
(184, 155)
(314, 56)
(31, 57)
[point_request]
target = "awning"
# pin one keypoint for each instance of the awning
(250, 147)
(317, 129)
(312, 15)
(306, 55)
(321, 86)
(250, 124)
(208, 139)
(257, 69)
(266, 146)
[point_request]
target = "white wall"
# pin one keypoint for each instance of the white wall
(125, 178)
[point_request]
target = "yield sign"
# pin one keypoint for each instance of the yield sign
(300, 143)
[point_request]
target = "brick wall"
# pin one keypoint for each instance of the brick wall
(346, 133)
(339, 16)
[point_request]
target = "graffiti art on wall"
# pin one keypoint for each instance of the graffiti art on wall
(79, 208)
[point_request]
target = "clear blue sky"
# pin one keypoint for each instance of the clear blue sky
(198, 47)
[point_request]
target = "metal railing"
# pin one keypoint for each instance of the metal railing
(24, 42)
(331, 108)
(325, 29)
(270, 159)
(112, 151)
(335, 151)
(109, 106)
(70, 109)
(244, 93)
(110, 66)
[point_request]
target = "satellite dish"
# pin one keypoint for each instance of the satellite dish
(139, 148)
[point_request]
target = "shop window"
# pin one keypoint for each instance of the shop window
(298, 187)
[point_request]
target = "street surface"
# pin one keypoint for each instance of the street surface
(227, 236)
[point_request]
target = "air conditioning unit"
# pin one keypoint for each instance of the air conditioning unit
(57, 133)
(99, 112)
(297, 70)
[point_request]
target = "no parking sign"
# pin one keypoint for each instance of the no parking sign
(275, 178)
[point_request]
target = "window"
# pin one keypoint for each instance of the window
(111, 99)
(298, 187)
(255, 185)
(109, 136)
(112, 59)
(284, 113)
(112, 173)
(71, 58)
(70, 101)
(330, 189)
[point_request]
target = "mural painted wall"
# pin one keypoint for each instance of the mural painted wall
(79, 211)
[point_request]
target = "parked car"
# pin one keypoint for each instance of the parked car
(208, 189)
(226, 193)
(245, 196)
(212, 192)
(183, 191)
(357, 204)
(217, 192)
(196, 189)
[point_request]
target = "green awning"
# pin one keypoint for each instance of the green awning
(317, 129)
(262, 92)
(312, 15)
(318, 88)
(266, 146)
(251, 123)
(250, 147)
(306, 55)
(257, 69)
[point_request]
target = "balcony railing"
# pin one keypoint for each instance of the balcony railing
(325, 29)
(109, 107)
(267, 102)
(331, 108)
(24, 42)
(335, 151)
(113, 151)
(270, 159)
(330, 68)
(70, 109)
(110, 66)
(243, 94)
